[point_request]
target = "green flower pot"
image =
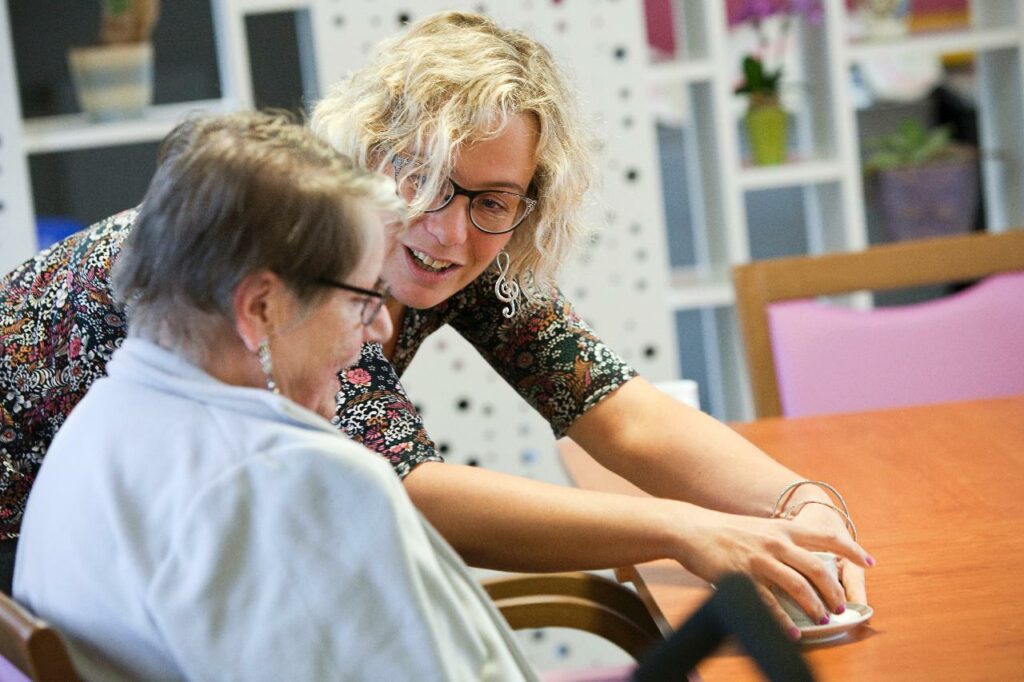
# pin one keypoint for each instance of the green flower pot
(767, 126)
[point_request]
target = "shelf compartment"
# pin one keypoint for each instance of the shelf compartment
(967, 40)
(793, 174)
(677, 72)
(77, 131)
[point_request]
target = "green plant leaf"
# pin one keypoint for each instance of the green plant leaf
(911, 145)
(116, 8)
(757, 79)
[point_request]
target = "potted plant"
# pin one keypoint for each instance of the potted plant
(114, 79)
(925, 184)
(766, 121)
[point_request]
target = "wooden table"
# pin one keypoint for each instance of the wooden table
(938, 496)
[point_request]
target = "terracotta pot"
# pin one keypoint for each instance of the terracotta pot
(767, 125)
(932, 200)
(113, 81)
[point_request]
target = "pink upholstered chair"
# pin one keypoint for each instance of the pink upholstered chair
(808, 357)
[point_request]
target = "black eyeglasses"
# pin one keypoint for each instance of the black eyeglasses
(490, 211)
(373, 299)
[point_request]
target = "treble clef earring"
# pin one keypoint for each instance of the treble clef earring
(506, 288)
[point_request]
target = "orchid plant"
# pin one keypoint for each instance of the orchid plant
(772, 21)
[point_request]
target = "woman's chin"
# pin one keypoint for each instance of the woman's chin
(418, 297)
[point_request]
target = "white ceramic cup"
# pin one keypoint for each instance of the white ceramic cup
(794, 610)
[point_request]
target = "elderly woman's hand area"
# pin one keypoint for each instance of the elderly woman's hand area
(776, 553)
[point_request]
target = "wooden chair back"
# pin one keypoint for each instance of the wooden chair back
(32, 646)
(879, 268)
(581, 601)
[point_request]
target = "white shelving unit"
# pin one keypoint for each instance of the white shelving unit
(76, 131)
(17, 239)
(694, 91)
(825, 166)
(23, 138)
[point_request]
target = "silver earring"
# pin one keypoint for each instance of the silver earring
(506, 288)
(267, 364)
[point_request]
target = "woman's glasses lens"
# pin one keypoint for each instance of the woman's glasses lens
(494, 212)
(371, 308)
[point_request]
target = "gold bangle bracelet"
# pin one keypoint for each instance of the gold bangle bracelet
(790, 512)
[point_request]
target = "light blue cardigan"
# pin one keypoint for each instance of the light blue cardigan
(184, 528)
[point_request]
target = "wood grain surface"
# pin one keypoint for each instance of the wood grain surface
(937, 493)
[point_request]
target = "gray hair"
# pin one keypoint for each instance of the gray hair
(233, 195)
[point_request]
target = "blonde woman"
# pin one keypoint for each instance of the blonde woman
(486, 142)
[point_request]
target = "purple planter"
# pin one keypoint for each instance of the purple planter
(931, 200)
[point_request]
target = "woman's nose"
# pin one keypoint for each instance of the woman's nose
(380, 329)
(451, 225)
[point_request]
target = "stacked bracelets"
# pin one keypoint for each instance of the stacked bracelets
(780, 511)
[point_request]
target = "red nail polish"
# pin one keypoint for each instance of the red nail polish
(824, 620)
(794, 633)
(840, 609)
(869, 560)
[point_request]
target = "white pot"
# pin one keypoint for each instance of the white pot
(113, 81)
(884, 19)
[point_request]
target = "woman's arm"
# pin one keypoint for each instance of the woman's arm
(505, 522)
(674, 451)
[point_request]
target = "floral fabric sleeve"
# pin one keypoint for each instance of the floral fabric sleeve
(546, 352)
(58, 329)
(373, 409)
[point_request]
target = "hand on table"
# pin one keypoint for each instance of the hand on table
(850, 574)
(777, 553)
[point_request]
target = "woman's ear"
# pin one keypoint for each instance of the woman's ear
(257, 306)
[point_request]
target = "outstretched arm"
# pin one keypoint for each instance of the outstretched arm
(672, 450)
(505, 522)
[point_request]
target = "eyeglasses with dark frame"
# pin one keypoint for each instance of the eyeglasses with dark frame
(491, 211)
(373, 299)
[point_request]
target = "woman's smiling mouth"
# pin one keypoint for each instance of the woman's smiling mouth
(428, 263)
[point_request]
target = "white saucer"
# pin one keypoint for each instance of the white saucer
(838, 625)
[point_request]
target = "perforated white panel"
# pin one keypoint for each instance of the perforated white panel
(17, 224)
(616, 286)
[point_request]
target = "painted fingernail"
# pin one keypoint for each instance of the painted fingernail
(794, 633)
(839, 609)
(824, 620)
(869, 560)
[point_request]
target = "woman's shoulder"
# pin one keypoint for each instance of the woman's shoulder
(78, 259)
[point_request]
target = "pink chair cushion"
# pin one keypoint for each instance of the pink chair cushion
(834, 359)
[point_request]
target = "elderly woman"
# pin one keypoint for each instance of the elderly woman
(485, 140)
(197, 516)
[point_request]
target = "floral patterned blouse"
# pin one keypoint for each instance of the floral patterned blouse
(59, 327)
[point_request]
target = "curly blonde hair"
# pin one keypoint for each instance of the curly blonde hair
(455, 78)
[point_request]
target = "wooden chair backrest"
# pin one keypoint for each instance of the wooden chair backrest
(879, 268)
(32, 646)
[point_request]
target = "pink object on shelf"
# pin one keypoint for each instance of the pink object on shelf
(965, 346)
(661, 33)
